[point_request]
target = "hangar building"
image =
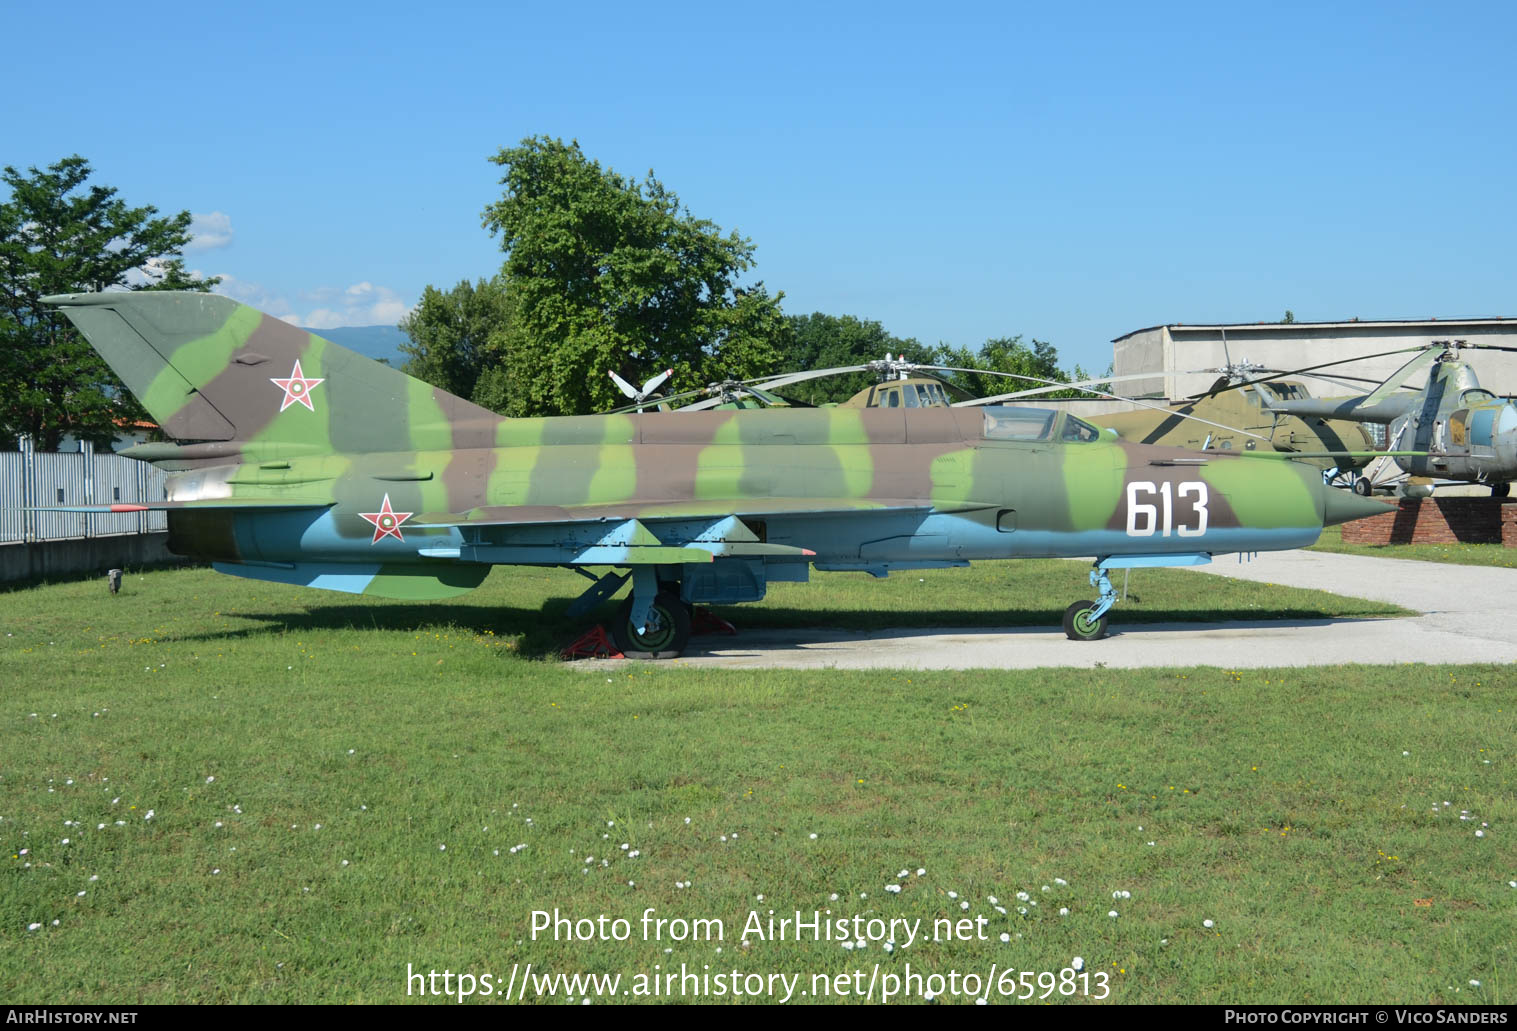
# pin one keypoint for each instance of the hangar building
(1174, 354)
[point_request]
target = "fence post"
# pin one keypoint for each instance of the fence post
(87, 456)
(28, 489)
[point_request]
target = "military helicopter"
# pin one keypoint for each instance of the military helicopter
(1233, 413)
(1467, 432)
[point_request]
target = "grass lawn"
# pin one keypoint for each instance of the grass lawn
(1459, 554)
(339, 788)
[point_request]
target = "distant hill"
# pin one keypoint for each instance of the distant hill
(378, 342)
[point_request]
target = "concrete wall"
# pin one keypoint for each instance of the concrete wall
(1143, 351)
(42, 560)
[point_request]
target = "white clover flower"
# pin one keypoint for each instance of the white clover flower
(1022, 896)
(1207, 924)
(953, 894)
(1005, 938)
(1077, 964)
(894, 889)
(1474, 983)
(889, 946)
(33, 927)
(833, 897)
(1061, 882)
(1064, 911)
(1112, 914)
(813, 837)
(921, 871)
(848, 946)
(963, 905)
(210, 780)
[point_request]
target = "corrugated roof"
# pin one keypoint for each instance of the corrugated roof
(1351, 323)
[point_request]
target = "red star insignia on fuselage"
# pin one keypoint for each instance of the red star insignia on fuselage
(386, 521)
(297, 389)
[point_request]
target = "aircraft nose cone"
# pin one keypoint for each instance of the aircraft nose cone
(1344, 506)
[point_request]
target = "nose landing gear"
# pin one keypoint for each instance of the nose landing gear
(1086, 620)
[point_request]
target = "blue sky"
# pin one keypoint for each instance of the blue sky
(955, 171)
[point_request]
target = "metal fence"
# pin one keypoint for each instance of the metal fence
(31, 480)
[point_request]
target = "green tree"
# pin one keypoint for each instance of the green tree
(1009, 355)
(458, 340)
(608, 274)
(819, 341)
(59, 236)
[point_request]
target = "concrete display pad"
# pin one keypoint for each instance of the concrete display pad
(1469, 615)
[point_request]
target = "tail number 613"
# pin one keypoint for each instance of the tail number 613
(1151, 509)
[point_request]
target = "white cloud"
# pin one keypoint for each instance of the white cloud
(209, 232)
(327, 307)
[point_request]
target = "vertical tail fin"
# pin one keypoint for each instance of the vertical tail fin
(210, 369)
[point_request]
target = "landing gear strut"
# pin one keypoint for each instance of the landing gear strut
(1086, 620)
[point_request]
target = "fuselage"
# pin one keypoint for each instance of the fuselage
(854, 486)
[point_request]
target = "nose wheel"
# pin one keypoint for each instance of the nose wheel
(1086, 620)
(1081, 625)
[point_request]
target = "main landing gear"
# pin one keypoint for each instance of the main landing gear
(1086, 620)
(664, 631)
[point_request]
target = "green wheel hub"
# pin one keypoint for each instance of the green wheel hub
(1078, 626)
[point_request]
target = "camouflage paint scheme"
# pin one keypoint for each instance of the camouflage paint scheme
(306, 463)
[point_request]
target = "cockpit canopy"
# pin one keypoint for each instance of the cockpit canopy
(1019, 422)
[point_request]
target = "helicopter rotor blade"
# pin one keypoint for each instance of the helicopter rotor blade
(1303, 371)
(626, 388)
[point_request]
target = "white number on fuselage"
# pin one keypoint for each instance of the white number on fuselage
(1145, 518)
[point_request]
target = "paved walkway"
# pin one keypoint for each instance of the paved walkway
(1469, 615)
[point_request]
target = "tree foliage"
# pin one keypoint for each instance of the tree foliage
(458, 339)
(608, 274)
(59, 236)
(1010, 355)
(819, 341)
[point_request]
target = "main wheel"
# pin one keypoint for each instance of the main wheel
(1501, 490)
(1078, 626)
(1363, 487)
(667, 633)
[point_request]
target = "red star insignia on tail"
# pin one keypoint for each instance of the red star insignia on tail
(297, 389)
(386, 521)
